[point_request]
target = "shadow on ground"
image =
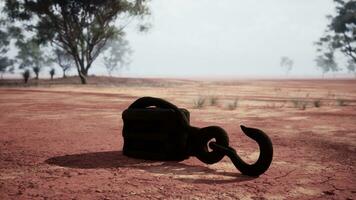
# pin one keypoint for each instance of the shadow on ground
(115, 159)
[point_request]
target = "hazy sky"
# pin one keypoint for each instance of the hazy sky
(228, 37)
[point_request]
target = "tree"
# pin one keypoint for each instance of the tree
(287, 63)
(5, 66)
(52, 72)
(340, 34)
(117, 55)
(79, 27)
(351, 67)
(64, 60)
(326, 62)
(31, 55)
(36, 70)
(26, 75)
(5, 62)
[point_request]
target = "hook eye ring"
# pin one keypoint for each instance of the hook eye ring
(207, 134)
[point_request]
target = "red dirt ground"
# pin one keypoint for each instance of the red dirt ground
(64, 142)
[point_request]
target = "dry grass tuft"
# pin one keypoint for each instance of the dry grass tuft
(233, 105)
(199, 102)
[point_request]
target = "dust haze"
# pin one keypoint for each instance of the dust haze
(229, 38)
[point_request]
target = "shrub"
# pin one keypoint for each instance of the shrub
(300, 104)
(26, 75)
(213, 101)
(52, 72)
(317, 103)
(341, 102)
(303, 106)
(199, 102)
(233, 105)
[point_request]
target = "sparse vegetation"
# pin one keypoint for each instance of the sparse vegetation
(6, 64)
(317, 103)
(351, 67)
(339, 35)
(36, 70)
(26, 75)
(341, 102)
(32, 55)
(277, 89)
(326, 63)
(300, 104)
(117, 56)
(64, 60)
(233, 105)
(52, 72)
(199, 102)
(287, 64)
(213, 101)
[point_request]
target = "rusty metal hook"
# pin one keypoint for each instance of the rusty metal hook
(264, 160)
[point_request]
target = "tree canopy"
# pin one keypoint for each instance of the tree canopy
(117, 55)
(340, 34)
(326, 62)
(5, 62)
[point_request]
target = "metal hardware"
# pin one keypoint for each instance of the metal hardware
(155, 129)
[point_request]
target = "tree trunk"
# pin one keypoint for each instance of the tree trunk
(82, 71)
(64, 73)
(36, 76)
(84, 74)
(83, 78)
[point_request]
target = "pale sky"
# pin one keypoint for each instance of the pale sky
(231, 38)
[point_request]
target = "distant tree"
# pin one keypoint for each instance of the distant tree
(340, 34)
(30, 55)
(36, 70)
(79, 27)
(52, 72)
(287, 63)
(117, 55)
(326, 63)
(26, 75)
(64, 60)
(5, 66)
(351, 67)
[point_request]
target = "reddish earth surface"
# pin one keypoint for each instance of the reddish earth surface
(64, 141)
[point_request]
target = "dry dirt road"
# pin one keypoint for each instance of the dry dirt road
(64, 142)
